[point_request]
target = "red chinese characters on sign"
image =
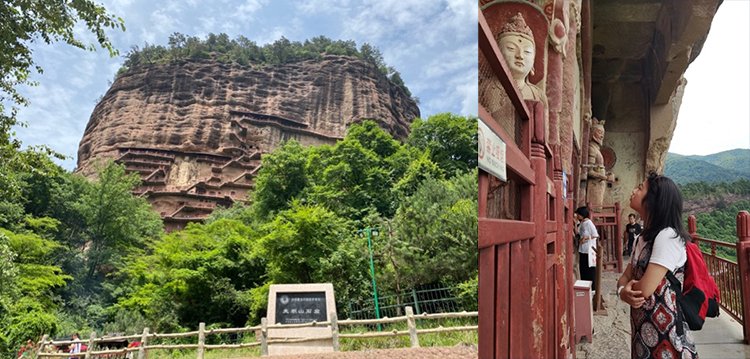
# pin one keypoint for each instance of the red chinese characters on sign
(491, 151)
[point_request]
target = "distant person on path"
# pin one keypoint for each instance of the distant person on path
(75, 348)
(643, 284)
(632, 230)
(588, 236)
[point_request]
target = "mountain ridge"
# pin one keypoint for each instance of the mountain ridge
(725, 166)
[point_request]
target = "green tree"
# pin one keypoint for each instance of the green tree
(451, 140)
(298, 239)
(200, 274)
(116, 222)
(420, 169)
(353, 180)
(436, 232)
(19, 169)
(311, 244)
(282, 177)
(29, 299)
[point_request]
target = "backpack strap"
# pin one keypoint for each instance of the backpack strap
(675, 284)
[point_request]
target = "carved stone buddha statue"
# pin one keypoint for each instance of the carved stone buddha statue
(516, 43)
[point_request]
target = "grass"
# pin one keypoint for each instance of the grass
(209, 354)
(350, 344)
(425, 340)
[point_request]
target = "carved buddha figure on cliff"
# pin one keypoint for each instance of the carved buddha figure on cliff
(516, 43)
(597, 175)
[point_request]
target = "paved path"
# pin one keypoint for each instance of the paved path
(720, 338)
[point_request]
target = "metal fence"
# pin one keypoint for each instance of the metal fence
(426, 300)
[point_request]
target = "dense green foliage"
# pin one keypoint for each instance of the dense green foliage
(721, 224)
(700, 190)
(61, 241)
(246, 52)
(81, 255)
(727, 166)
(724, 201)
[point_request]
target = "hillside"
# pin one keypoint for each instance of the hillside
(727, 166)
(737, 159)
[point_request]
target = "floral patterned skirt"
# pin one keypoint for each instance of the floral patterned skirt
(654, 328)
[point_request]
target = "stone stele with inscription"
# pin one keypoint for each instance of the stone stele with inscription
(299, 304)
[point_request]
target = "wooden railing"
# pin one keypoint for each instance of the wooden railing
(607, 221)
(262, 340)
(726, 272)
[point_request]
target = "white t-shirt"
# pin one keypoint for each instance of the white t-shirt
(668, 250)
(587, 229)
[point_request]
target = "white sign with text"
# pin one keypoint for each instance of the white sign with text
(491, 151)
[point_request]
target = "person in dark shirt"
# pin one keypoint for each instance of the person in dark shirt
(632, 229)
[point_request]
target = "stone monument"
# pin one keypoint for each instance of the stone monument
(299, 304)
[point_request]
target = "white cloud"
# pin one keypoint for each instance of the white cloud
(323, 6)
(162, 24)
(247, 9)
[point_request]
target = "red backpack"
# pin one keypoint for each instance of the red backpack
(699, 298)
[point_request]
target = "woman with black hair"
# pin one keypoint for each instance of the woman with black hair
(588, 236)
(643, 285)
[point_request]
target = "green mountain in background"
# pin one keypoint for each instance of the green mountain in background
(726, 166)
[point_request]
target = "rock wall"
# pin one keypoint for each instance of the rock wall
(195, 130)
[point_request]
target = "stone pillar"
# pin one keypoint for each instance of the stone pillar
(663, 123)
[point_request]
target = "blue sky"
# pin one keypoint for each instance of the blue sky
(432, 43)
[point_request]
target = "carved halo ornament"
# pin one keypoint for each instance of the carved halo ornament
(610, 157)
(558, 29)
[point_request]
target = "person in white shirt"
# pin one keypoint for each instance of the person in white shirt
(75, 348)
(643, 285)
(588, 236)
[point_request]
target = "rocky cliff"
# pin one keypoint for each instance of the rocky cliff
(195, 130)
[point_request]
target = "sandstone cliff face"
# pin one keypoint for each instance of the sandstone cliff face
(195, 130)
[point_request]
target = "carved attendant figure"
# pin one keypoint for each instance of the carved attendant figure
(516, 43)
(597, 176)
